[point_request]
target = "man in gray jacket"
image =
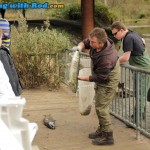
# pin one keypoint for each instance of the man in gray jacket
(106, 77)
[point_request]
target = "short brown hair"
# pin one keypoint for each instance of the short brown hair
(100, 34)
(118, 25)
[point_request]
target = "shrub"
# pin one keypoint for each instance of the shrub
(102, 15)
(72, 12)
(141, 16)
(35, 52)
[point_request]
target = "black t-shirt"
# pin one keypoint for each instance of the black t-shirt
(134, 43)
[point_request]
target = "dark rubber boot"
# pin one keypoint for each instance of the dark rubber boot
(105, 139)
(96, 134)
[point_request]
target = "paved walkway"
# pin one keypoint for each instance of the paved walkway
(72, 129)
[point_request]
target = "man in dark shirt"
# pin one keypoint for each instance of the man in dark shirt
(106, 77)
(134, 52)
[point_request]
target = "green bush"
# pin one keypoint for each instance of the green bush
(141, 16)
(102, 15)
(72, 12)
(35, 52)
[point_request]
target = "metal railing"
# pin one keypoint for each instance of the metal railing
(130, 103)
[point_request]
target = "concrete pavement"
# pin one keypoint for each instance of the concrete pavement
(72, 129)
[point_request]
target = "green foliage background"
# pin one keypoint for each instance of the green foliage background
(102, 15)
(37, 51)
(128, 11)
(36, 54)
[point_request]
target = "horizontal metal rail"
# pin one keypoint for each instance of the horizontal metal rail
(130, 103)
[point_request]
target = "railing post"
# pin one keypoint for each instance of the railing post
(137, 111)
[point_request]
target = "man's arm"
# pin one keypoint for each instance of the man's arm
(125, 57)
(84, 78)
(80, 47)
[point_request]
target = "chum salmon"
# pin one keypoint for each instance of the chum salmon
(74, 71)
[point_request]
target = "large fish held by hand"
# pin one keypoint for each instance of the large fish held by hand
(74, 71)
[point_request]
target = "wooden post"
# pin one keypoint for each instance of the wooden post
(87, 9)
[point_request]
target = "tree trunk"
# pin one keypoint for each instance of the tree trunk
(87, 9)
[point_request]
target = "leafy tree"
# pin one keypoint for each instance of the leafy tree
(129, 9)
